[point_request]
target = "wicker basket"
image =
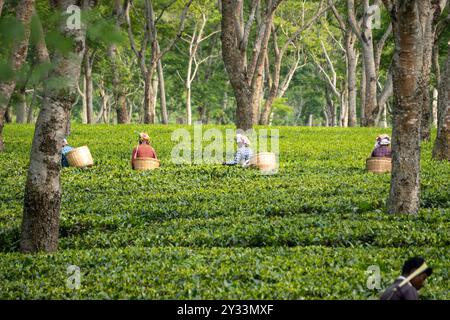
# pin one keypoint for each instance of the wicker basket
(265, 161)
(80, 157)
(145, 163)
(379, 165)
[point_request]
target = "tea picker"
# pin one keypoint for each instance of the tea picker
(144, 156)
(76, 157)
(65, 150)
(244, 152)
(381, 157)
(415, 272)
(382, 147)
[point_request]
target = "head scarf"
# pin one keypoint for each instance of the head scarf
(383, 140)
(144, 137)
(241, 139)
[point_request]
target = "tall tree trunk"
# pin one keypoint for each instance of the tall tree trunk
(364, 33)
(149, 100)
(370, 107)
(351, 76)
(441, 150)
(331, 108)
(383, 122)
(310, 120)
(343, 116)
(84, 109)
(245, 78)
(21, 107)
(162, 94)
(234, 63)
(407, 73)
(40, 224)
(89, 87)
(434, 107)
(427, 12)
(24, 12)
(363, 93)
(30, 108)
(122, 110)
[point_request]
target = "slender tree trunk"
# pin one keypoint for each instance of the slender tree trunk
(364, 33)
(363, 93)
(310, 120)
(18, 56)
(343, 116)
(188, 104)
(441, 150)
(40, 224)
(188, 81)
(383, 122)
(122, 110)
(89, 87)
(21, 106)
(149, 99)
(426, 20)
(162, 93)
(407, 72)
(371, 86)
(30, 108)
(84, 109)
(351, 77)
(435, 107)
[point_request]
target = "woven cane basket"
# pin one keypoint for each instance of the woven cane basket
(80, 157)
(379, 165)
(265, 161)
(145, 164)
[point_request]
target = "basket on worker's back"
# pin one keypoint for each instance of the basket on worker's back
(145, 163)
(379, 165)
(265, 161)
(80, 157)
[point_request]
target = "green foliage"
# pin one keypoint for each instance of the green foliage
(209, 231)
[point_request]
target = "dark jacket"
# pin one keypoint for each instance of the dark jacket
(407, 292)
(382, 151)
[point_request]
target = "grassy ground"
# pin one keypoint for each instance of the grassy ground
(208, 231)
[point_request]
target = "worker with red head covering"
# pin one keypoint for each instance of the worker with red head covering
(143, 149)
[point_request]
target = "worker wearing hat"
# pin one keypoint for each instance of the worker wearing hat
(414, 273)
(143, 149)
(382, 147)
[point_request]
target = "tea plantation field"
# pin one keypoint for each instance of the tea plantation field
(210, 231)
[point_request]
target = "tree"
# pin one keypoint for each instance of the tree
(407, 77)
(371, 53)
(150, 37)
(89, 57)
(246, 70)
(118, 90)
(351, 62)
(279, 51)
(430, 11)
(441, 150)
(24, 13)
(40, 224)
(194, 42)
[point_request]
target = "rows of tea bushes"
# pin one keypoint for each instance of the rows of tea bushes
(314, 272)
(209, 231)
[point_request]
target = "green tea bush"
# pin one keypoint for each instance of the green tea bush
(211, 231)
